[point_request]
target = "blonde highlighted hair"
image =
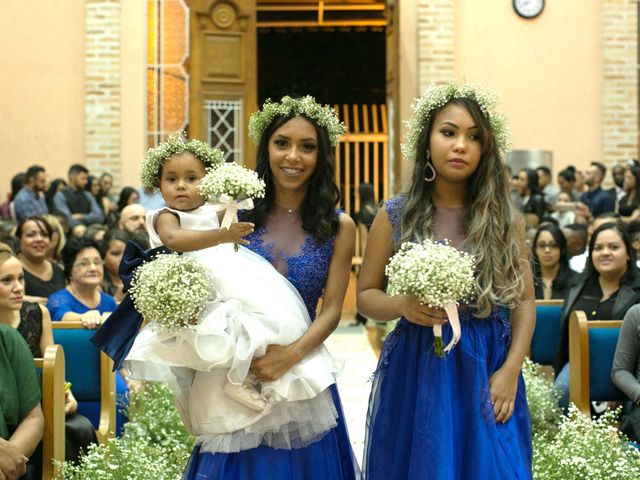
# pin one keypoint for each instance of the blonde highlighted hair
(491, 224)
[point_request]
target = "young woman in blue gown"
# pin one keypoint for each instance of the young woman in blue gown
(464, 416)
(301, 234)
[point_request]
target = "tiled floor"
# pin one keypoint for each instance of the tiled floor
(352, 345)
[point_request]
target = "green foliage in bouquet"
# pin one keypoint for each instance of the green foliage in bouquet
(542, 398)
(171, 291)
(585, 450)
(155, 444)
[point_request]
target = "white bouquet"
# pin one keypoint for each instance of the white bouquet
(439, 275)
(232, 187)
(233, 180)
(171, 291)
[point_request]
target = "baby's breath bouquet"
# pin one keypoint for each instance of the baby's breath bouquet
(171, 291)
(232, 187)
(439, 275)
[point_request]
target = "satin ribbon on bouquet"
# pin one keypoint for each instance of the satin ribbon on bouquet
(454, 321)
(230, 206)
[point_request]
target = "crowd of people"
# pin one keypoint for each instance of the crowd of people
(62, 241)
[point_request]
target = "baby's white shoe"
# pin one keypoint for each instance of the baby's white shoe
(246, 394)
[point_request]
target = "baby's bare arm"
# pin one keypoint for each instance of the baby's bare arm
(180, 240)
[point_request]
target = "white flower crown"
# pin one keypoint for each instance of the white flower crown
(176, 143)
(324, 116)
(436, 96)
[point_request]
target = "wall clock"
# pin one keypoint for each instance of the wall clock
(528, 8)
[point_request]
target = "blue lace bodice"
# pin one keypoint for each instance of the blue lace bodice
(307, 270)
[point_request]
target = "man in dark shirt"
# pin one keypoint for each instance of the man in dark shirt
(30, 201)
(77, 204)
(596, 201)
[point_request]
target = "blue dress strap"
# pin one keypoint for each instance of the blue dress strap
(117, 334)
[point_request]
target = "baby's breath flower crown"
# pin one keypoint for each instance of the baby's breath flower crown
(176, 143)
(436, 96)
(324, 116)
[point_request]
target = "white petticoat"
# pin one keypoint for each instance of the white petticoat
(256, 307)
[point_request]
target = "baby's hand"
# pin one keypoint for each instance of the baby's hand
(235, 232)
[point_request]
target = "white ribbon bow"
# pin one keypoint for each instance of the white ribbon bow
(230, 206)
(454, 321)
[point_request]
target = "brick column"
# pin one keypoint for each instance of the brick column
(436, 25)
(102, 87)
(619, 80)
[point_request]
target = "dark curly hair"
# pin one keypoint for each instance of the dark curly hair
(318, 212)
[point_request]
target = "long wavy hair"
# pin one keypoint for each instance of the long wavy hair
(490, 222)
(318, 212)
(564, 271)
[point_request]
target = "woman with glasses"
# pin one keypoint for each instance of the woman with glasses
(552, 275)
(42, 277)
(82, 299)
(609, 286)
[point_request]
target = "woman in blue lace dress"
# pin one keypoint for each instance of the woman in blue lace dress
(300, 233)
(464, 416)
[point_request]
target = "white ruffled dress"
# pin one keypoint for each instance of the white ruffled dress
(256, 307)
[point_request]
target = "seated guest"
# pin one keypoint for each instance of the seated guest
(628, 208)
(30, 200)
(609, 286)
(76, 204)
(564, 217)
(625, 373)
(42, 276)
(533, 205)
(596, 201)
(83, 299)
(106, 200)
(32, 321)
(113, 247)
(22, 421)
(549, 192)
(96, 232)
(633, 229)
(150, 199)
(6, 208)
(567, 184)
(58, 238)
(617, 175)
(133, 218)
(54, 187)
(552, 275)
(128, 196)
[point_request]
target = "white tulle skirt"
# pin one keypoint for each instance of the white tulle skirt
(256, 307)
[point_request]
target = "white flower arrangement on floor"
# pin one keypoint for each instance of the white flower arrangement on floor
(171, 291)
(439, 275)
(585, 449)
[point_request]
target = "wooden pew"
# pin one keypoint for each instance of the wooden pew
(546, 335)
(91, 376)
(592, 345)
(53, 380)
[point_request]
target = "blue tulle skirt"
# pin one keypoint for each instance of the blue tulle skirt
(330, 458)
(432, 417)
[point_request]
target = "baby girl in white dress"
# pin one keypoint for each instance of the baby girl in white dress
(208, 365)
